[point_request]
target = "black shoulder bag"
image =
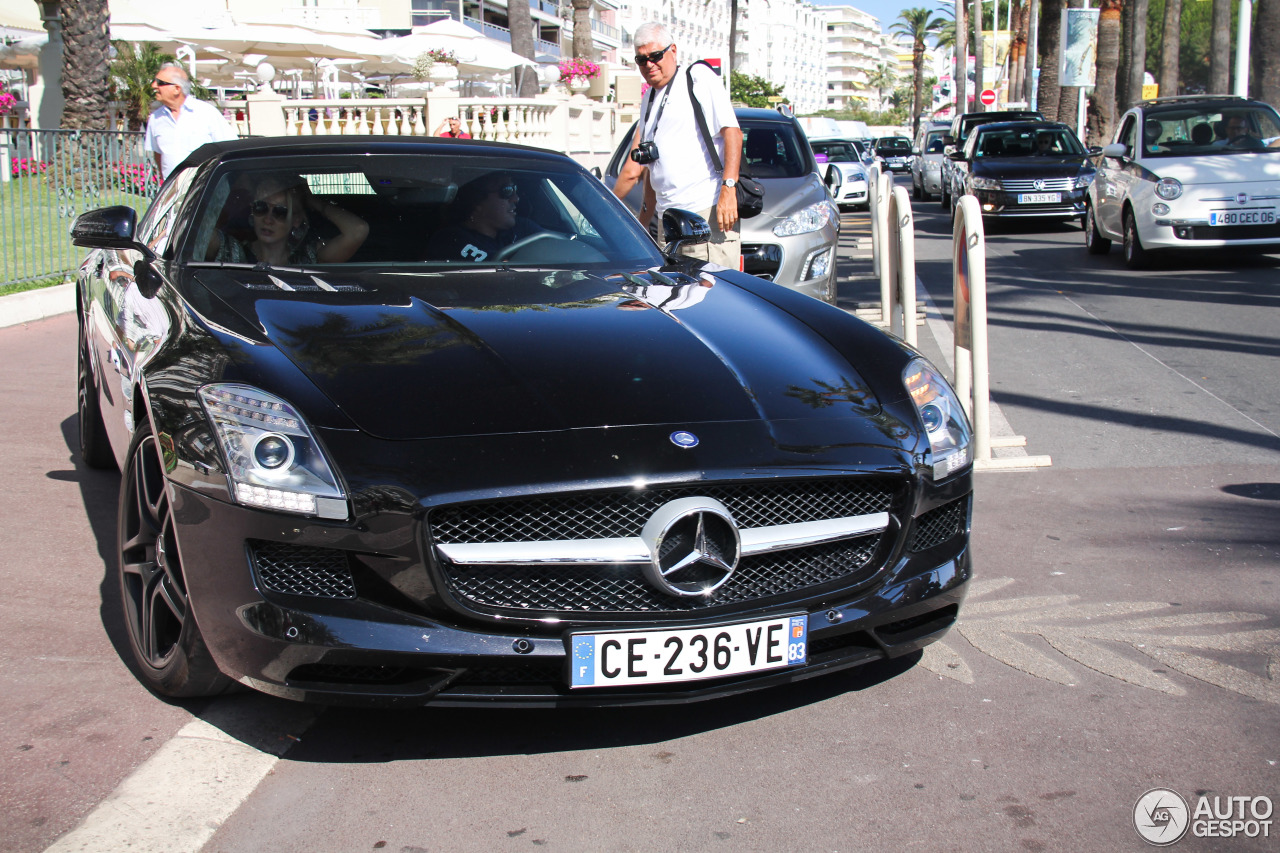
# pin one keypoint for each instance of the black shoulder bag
(750, 191)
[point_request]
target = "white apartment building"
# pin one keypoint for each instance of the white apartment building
(855, 47)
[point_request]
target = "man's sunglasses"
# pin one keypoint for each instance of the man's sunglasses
(654, 58)
(157, 81)
(260, 208)
(507, 190)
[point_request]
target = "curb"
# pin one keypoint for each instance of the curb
(31, 305)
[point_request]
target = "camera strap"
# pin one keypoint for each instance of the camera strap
(662, 106)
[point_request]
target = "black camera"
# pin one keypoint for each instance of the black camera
(645, 153)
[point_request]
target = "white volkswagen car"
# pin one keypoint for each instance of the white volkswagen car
(1188, 173)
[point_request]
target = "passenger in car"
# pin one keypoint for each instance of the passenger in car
(485, 209)
(280, 212)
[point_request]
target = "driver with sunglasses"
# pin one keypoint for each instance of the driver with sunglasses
(683, 174)
(486, 221)
(181, 123)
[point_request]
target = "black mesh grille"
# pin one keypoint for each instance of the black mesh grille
(303, 570)
(603, 590)
(1232, 232)
(599, 515)
(938, 526)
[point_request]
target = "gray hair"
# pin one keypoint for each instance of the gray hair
(652, 32)
(184, 79)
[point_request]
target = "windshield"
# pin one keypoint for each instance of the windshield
(433, 209)
(893, 145)
(1209, 129)
(837, 152)
(772, 150)
(1027, 141)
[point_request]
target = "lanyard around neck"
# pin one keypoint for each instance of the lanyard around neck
(662, 106)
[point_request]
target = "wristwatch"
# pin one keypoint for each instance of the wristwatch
(730, 182)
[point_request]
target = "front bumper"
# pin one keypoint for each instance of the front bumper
(1187, 227)
(355, 616)
(1001, 204)
(853, 192)
(792, 261)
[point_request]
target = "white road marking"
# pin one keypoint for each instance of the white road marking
(176, 800)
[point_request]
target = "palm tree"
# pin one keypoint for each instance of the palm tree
(132, 72)
(1220, 49)
(1048, 92)
(1102, 106)
(884, 77)
(582, 29)
(86, 46)
(1137, 44)
(1170, 44)
(1266, 50)
(916, 25)
(520, 20)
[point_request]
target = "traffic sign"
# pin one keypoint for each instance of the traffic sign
(988, 97)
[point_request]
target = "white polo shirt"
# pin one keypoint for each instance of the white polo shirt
(684, 175)
(197, 123)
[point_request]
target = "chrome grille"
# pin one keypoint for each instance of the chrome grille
(601, 515)
(1051, 185)
(302, 570)
(603, 589)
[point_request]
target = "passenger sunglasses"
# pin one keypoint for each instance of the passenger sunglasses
(157, 81)
(507, 191)
(654, 58)
(260, 208)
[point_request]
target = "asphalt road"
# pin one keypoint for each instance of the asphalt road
(1123, 633)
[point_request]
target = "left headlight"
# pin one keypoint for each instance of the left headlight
(812, 218)
(942, 415)
(274, 460)
(1084, 179)
(1169, 188)
(980, 183)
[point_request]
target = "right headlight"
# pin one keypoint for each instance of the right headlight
(274, 461)
(980, 183)
(1169, 188)
(812, 218)
(941, 415)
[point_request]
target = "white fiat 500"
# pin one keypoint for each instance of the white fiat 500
(1188, 173)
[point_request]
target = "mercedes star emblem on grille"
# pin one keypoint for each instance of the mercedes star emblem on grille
(693, 547)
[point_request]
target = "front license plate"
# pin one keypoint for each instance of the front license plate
(1260, 216)
(624, 658)
(1040, 198)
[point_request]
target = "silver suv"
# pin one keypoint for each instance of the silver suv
(793, 240)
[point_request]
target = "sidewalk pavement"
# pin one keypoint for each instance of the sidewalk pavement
(29, 305)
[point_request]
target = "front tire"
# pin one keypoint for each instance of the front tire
(1093, 239)
(1135, 256)
(170, 654)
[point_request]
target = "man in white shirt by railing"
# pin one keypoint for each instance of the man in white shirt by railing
(181, 123)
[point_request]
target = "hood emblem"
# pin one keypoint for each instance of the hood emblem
(1242, 198)
(693, 547)
(681, 438)
(1039, 184)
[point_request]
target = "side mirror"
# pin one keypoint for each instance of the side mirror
(948, 140)
(682, 226)
(595, 170)
(109, 228)
(916, 150)
(834, 180)
(953, 154)
(1115, 149)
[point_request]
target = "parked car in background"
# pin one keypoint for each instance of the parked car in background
(560, 470)
(895, 151)
(961, 126)
(926, 159)
(1193, 172)
(793, 241)
(1023, 169)
(843, 155)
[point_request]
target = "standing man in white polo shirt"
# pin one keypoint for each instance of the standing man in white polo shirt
(684, 174)
(181, 123)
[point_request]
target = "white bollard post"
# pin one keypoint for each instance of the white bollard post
(901, 257)
(873, 181)
(883, 190)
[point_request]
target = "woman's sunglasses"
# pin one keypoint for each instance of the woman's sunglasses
(654, 58)
(260, 208)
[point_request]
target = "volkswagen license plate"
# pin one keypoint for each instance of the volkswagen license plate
(624, 658)
(1256, 216)
(1040, 198)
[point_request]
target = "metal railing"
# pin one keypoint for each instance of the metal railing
(48, 178)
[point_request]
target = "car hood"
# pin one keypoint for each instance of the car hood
(1217, 168)
(405, 360)
(782, 198)
(1015, 168)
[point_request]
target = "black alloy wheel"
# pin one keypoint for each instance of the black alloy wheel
(1093, 239)
(170, 654)
(1135, 257)
(94, 447)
